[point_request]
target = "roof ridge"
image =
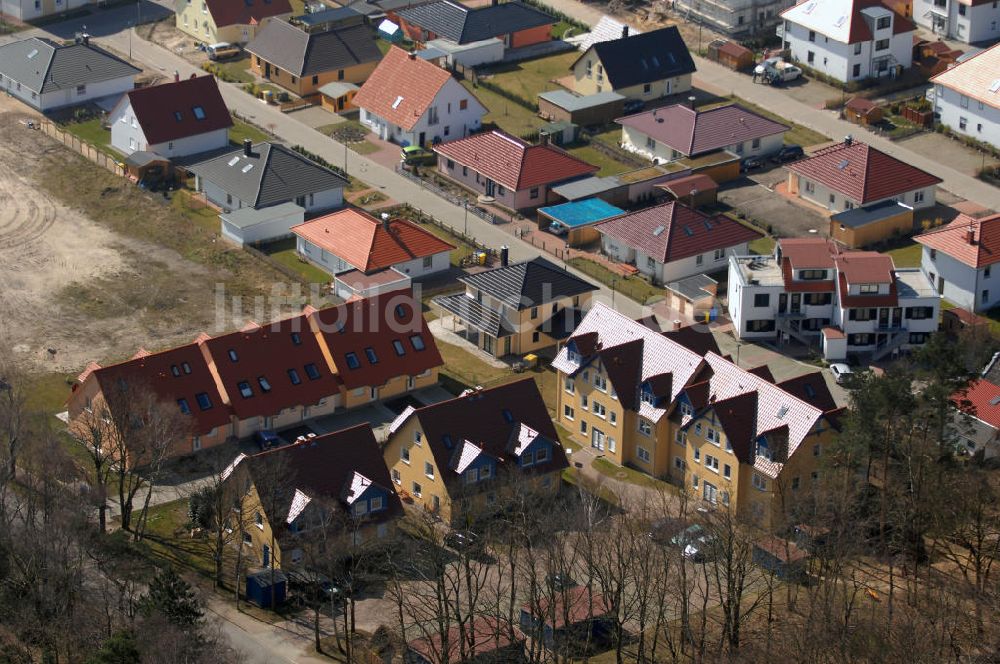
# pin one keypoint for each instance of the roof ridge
(761, 381)
(265, 163)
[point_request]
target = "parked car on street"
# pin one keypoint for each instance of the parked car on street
(788, 153)
(414, 155)
(841, 372)
(695, 543)
(556, 228)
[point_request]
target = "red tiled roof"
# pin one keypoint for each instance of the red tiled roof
(953, 240)
(734, 49)
(783, 550)
(672, 231)
(861, 172)
(890, 299)
(833, 333)
(577, 604)
(245, 12)
(812, 387)
(401, 88)
(270, 353)
(689, 184)
(865, 267)
(804, 286)
(166, 112)
(366, 242)
(861, 105)
(808, 253)
(178, 373)
(694, 132)
(981, 399)
(376, 323)
(514, 163)
(487, 634)
(967, 317)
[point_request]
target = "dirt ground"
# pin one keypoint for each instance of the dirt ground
(166, 34)
(87, 290)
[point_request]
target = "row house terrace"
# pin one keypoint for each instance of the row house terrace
(846, 302)
(671, 406)
(269, 377)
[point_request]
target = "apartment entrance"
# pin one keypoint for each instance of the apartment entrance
(597, 439)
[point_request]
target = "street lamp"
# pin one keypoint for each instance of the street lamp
(613, 282)
(465, 207)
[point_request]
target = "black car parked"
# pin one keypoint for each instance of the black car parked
(788, 153)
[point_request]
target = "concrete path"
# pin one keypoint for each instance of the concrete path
(716, 78)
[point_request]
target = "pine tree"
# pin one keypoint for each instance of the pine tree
(173, 597)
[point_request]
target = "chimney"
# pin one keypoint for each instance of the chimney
(504, 256)
(624, 31)
(544, 139)
(677, 324)
(86, 39)
(691, 100)
(848, 139)
(247, 147)
(970, 235)
(413, 55)
(177, 76)
(385, 221)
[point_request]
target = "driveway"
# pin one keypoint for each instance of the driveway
(755, 198)
(316, 116)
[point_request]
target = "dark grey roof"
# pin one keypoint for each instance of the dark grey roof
(475, 314)
(380, 7)
(651, 56)
(568, 101)
(304, 54)
(694, 287)
(463, 25)
(332, 15)
(272, 174)
(528, 284)
(42, 66)
(862, 216)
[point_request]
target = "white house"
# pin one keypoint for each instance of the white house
(851, 174)
(669, 242)
(967, 96)
(969, 21)
(853, 302)
(411, 101)
(848, 39)
(30, 10)
(47, 76)
(673, 132)
(351, 239)
(958, 259)
(174, 119)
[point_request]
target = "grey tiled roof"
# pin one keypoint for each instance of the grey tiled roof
(304, 54)
(645, 58)
(475, 314)
(528, 284)
(463, 25)
(43, 66)
(272, 174)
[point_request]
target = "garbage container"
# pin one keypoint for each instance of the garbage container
(482, 258)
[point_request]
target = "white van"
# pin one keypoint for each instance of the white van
(222, 51)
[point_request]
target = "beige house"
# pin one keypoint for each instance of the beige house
(235, 22)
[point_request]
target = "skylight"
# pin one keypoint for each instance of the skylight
(995, 401)
(247, 168)
(352, 361)
(840, 21)
(293, 376)
(33, 53)
(311, 371)
(844, 164)
(204, 402)
(809, 8)
(658, 231)
(178, 116)
(782, 412)
(233, 161)
(398, 345)
(995, 85)
(199, 112)
(399, 100)
(245, 390)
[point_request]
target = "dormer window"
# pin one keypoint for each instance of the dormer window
(647, 396)
(868, 289)
(763, 450)
(572, 356)
(809, 275)
(686, 409)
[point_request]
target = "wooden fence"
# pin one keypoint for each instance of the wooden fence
(83, 148)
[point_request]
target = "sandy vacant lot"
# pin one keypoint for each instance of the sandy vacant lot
(84, 289)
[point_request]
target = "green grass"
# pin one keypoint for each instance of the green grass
(630, 475)
(283, 252)
(241, 130)
(506, 114)
(638, 289)
(168, 538)
(906, 256)
(591, 155)
(526, 79)
(763, 246)
(201, 214)
(92, 132)
(797, 134)
(235, 71)
(560, 30)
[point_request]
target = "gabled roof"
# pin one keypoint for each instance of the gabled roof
(245, 12)
(603, 329)
(462, 25)
(402, 87)
(265, 358)
(172, 375)
(977, 78)
(271, 174)
(981, 399)
(606, 29)
(490, 419)
(43, 66)
(862, 172)
(573, 606)
(623, 364)
(486, 634)
(695, 338)
(692, 132)
(367, 243)
(671, 231)
(812, 389)
(179, 109)
(377, 323)
(513, 163)
(643, 58)
(528, 284)
(954, 238)
(307, 53)
(323, 470)
(843, 20)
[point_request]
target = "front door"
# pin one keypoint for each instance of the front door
(506, 346)
(423, 138)
(796, 303)
(267, 70)
(374, 394)
(488, 343)
(435, 504)
(597, 439)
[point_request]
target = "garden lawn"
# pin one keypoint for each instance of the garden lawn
(763, 246)
(237, 71)
(506, 114)
(526, 79)
(241, 130)
(638, 289)
(906, 256)
(92, 132)
(591, 155)
(283, 252)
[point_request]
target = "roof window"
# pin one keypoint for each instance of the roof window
(352, 361)
(199, 112)
(204, 401)
(245, 390)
